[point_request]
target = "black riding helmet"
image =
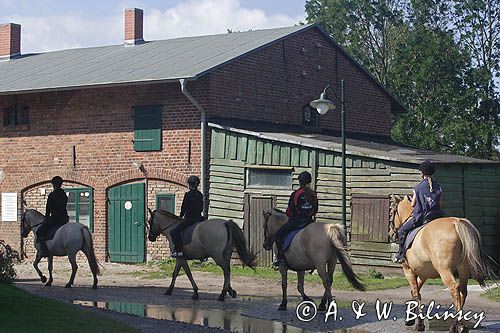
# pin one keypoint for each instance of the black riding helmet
(57, 181)
(427, 168)
(194, 181)
(305, 177)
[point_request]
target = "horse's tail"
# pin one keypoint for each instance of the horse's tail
(247, 257)
(473, 252)
(336, 234)
(87, 239)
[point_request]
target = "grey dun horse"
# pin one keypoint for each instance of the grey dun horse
(67, 241)
(317, 246)
(213, 238)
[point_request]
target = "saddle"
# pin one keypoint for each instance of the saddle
(287, 241)
(187, 234)
(51, 232)
(428, 217)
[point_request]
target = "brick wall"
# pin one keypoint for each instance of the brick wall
(275, 83)
(99, 123)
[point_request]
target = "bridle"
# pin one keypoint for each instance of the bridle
(162, 229)
(395, 213)
(28, 228)
(267, 233)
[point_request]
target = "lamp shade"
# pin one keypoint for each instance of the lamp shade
(322, 105)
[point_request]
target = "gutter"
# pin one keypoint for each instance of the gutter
(203, 177)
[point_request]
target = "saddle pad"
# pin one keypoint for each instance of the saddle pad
(411, 236)
(52, 231)
(187, 235)
(289, 238)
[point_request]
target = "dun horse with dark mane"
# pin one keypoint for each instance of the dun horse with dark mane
(444, 246)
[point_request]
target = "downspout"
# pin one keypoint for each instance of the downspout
(186, 93)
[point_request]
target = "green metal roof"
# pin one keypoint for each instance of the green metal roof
(155, 61)
(356, 147)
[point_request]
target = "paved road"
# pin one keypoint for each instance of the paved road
(257, 298)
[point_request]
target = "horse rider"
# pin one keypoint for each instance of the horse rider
(56, 214)
(191, 213)
(302, 207)
(427, 199)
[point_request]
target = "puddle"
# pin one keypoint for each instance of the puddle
(232, 320)
(438, 325)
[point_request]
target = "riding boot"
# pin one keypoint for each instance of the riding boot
(44, 251)
(279, 254)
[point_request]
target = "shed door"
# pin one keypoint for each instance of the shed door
(370, 218)
(126, 223)
(254, 225)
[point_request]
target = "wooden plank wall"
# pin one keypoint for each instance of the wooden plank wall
(482, 204)
(470, 191)
(230, 153)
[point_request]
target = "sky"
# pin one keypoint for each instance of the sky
(49, 25)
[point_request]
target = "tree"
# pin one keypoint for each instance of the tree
(439, 56)
(477, 24)
(368, 30)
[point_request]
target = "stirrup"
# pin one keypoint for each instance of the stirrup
(177, 254)
(398, 260)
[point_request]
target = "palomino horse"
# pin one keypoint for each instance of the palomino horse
(317, 246)
(214, 238)
(67, 241)
(446, 245)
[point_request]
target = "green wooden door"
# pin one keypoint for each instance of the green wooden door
(126, 223)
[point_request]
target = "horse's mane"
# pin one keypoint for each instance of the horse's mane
(276, 211)
(167, 213)
(35, 212)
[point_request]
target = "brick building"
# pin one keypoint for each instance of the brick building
(124, 123)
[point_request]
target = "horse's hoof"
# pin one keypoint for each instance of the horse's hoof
(68, 285)
(94, 286)
(168, 292)
(43, 278)
(195, 297)
(221, 298)
(48, 284)
(232, 293)
(420, 327)
(322, 307)
(410, 322)
(282, 307)
(307, 299)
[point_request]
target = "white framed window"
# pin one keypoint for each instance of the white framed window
(269, 177)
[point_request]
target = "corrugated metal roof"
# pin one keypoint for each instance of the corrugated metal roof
(154, 61)
(383, 151)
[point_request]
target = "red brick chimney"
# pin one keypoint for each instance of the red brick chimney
(133, 26)
(10, 40)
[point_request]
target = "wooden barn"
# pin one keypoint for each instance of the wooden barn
(252, 169)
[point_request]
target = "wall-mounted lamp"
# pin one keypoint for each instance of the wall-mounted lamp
(139, 166)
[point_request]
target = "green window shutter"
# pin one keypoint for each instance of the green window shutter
(166, 202)
(147, 128)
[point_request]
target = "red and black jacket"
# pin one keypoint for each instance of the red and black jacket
(303, 203)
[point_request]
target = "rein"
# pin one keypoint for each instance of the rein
(31, 226)
(168, 226)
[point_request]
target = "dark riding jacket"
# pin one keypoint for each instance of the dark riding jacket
(192, 205)
(55, 211)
